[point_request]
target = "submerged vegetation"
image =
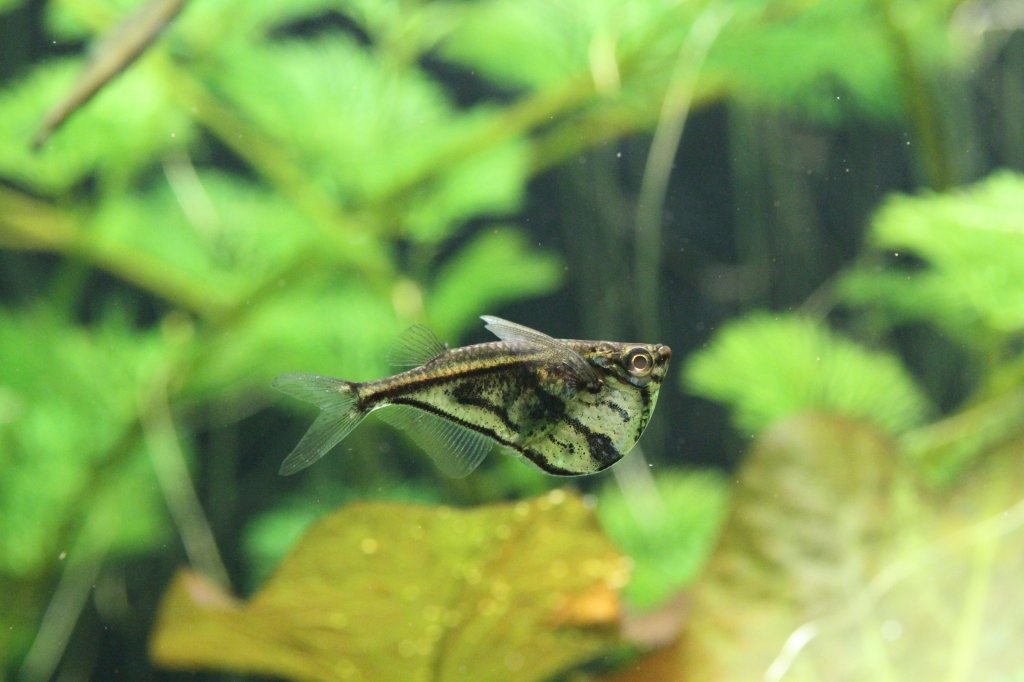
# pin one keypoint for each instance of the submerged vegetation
(818, 205)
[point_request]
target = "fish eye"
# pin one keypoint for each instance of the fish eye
(639, 361)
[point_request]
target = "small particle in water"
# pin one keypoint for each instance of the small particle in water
(489, 606)
(432, 634)
(892, 630)
(407, 648)
(514, 660)
(369, 546)
(521, 510)
(556, 497)
(471, 574)
(499, 589)
(62, 556)
(345, 669)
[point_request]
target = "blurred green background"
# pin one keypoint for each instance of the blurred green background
(817, 203)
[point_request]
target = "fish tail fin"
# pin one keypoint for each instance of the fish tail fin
(339, 413)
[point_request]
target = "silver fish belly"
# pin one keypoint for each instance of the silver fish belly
(568, 407)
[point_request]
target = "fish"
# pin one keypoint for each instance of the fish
(565, 406)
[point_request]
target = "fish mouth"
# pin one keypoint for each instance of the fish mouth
(664, 353)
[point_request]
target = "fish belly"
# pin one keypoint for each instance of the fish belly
(540, 416)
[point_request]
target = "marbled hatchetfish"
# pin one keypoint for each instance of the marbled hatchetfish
(568, 407)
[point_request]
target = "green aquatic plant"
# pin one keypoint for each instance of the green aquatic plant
(953, 260)
(667, 532)
(767, 367)
(953, 263)
(390, 591)
(849, 554)
(280, 244)
(834, 565)
(286, 185)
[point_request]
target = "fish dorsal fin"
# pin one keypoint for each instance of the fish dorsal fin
(560, 351)
(456, 450)
(416, 346)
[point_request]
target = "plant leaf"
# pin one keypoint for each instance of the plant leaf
(810, 507)
(768, 367)
(497, 266)
(972, 242)
(669, 535)
(790, 57)
(365, 124)
(372, 133)
(67, 394)
(783, 54)
(296, 329)
(832, 567)
(394, 591)
(130, 121)
(208, 227)
(551, 40)
(491, 181)
(8, 5)
(557, 42)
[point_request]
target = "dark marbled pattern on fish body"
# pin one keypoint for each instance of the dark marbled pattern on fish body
(569, 407)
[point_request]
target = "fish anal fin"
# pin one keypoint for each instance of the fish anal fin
(454, 449)
(416, 346)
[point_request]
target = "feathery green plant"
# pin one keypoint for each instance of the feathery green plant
(769, 367)
(259, 194)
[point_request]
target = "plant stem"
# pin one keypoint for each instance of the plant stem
(675, 108)
(571, 138)
(352, 241)
(924, 117)
(942, 445)
(179, 493)
(33, 225)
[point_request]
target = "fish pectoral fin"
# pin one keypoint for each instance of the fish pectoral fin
(560, 352)
(416, 346)
(455, 450)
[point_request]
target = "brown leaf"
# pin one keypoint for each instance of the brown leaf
(400, 592)
(834, 566)
(810, 509)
